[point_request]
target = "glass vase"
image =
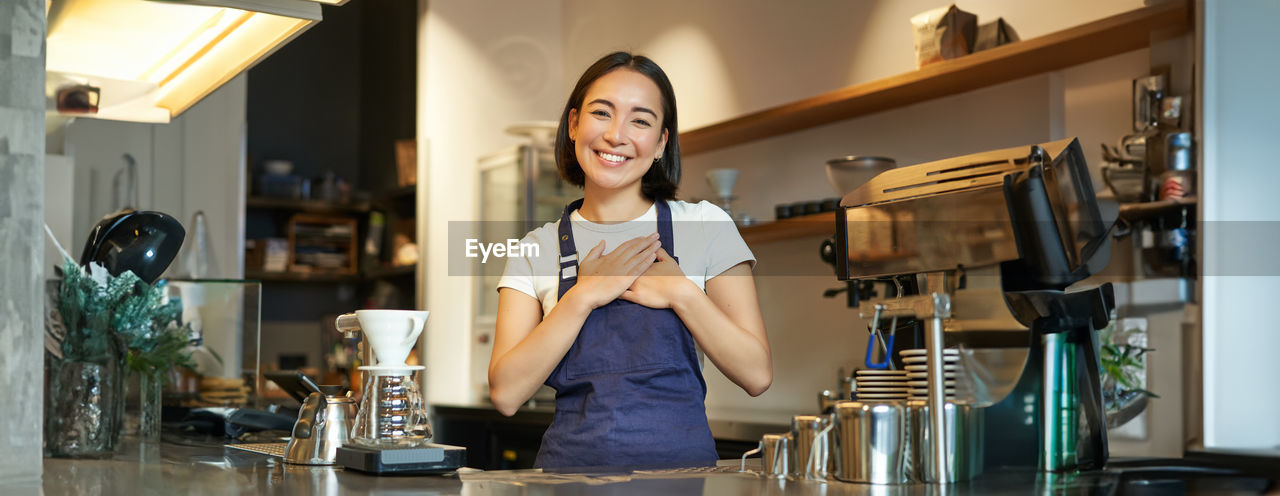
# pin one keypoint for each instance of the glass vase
(150, 389)
(83, 406)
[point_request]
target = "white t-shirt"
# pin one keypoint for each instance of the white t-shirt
(707, 243)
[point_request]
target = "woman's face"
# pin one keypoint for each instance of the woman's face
(618, 132)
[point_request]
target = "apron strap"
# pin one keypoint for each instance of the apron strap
(665, 230)
(568, 252)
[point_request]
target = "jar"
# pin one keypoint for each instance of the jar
(84, 404)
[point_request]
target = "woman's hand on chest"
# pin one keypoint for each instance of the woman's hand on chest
(661, 285)
(603, 278)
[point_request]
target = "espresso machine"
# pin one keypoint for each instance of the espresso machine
(980, 250)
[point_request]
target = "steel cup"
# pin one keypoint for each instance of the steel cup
(775, 461)
(809, 447)
(870, 442)
(964, 437)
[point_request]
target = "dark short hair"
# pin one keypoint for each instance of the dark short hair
(663, 177)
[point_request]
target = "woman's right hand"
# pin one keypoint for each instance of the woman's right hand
(602, 279)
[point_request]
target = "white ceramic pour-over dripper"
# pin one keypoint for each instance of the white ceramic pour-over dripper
(391, 333)
(722, 181)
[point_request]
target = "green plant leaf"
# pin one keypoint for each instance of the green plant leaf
(122, 309)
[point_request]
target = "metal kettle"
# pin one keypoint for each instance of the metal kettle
(324, 424)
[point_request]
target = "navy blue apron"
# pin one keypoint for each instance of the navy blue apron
(629, 391)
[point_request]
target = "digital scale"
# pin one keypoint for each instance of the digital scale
(429, 459)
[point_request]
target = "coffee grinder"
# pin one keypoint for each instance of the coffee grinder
(981, 249)
(391, 433)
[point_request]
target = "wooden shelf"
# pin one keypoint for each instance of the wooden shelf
(312, 206)
(823, 224)
(1088, 42)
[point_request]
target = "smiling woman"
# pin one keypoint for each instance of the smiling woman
(617, 331)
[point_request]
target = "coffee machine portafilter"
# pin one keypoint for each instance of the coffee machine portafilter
(993, 240)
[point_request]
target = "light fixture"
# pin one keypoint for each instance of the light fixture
(152, 60)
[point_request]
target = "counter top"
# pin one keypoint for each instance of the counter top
(180, 466)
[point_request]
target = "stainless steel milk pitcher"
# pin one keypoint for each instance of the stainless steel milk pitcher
(870, 442)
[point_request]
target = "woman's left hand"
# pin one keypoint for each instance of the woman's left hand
(659, 286)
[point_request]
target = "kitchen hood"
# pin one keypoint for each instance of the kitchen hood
(148, 60)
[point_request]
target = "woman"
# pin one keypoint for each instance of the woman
(616, 331)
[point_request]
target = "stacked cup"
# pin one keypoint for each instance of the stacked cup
(916, 362)
(881, 385)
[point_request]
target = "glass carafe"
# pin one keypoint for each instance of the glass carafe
(392, 414)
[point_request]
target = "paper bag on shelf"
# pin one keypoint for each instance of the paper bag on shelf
(993, 34)
(943, 33)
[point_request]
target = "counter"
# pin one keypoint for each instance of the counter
(494, 441)
(182, 466)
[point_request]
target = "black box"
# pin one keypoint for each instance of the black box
(429, 459)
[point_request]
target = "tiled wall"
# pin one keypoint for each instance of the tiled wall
(22, 33)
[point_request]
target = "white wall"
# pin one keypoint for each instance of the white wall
(59, 171)
(484, 65)
(1239, 218)
(195, 162)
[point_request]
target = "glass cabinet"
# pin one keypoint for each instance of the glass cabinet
(520, 189)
